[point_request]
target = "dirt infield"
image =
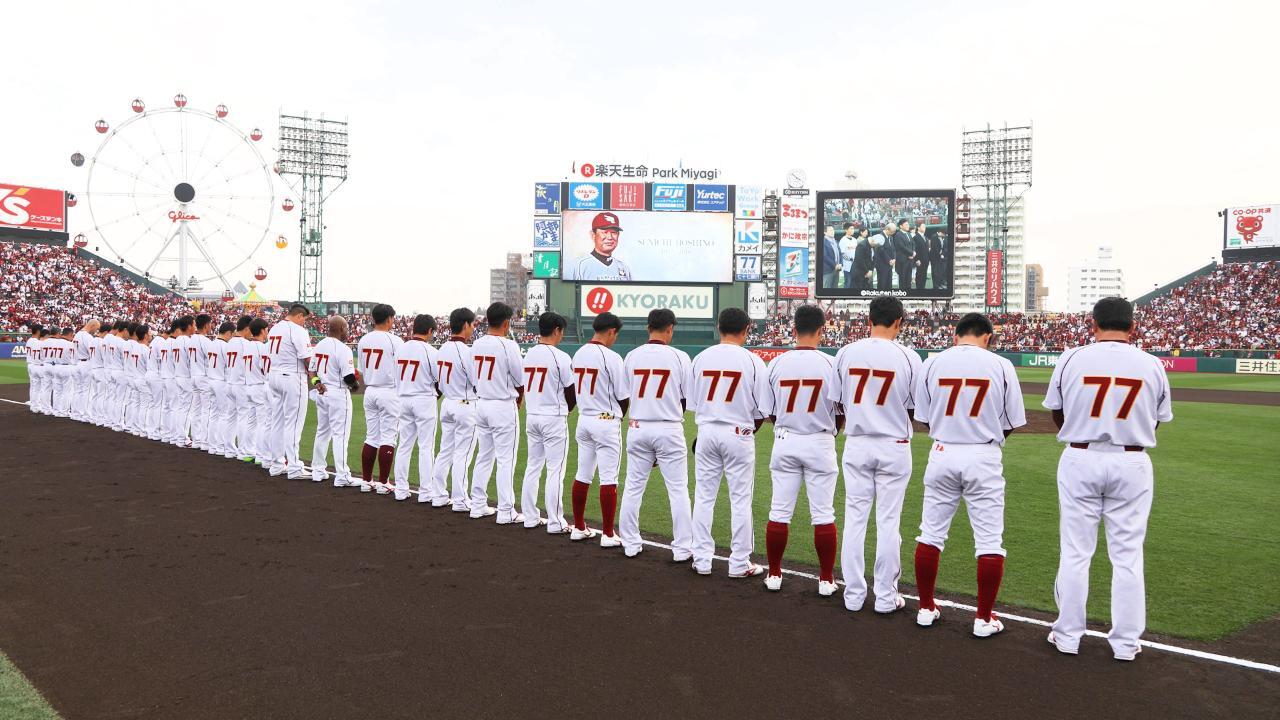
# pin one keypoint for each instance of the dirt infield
(144, 581)
(1227, 397)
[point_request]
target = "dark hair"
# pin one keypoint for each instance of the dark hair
(975, 325)
(885, 311)
(498, 313)
(243, 322)
(549, 322)
(1113, 313)
(904, 222)
(459, 318)
(381, 313)
(226, 327)
(299, 309)
(34, 328)
(809, 319)
(121, 325)
(733, 321)
(424, 325)
(184, 322)
(142, 330)
(133, 329)
(605, 322)
(202, 321)
(173, 326)
(661, 319)
(848, 225)
(257, 327)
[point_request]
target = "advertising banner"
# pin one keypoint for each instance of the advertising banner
(13, 351)
(22, 206)
(546, 233)
(1254, 226)
(546, 265)
(747, 267)
(793, 272)
(793, 222)
(535, 297)
(626, 196)
(711, 198)
(586, 196)
(758, 300)
(670, 197)
(635, 301)
(746, 237)
(1258, 367)
(1039, 360)
(1179, 364)
(748, 205)
(546, 198)
(766, 353)
(648, 246)
(995, 277)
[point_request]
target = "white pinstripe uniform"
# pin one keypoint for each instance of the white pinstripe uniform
(332, 361)
(548, 370)
(289, 348)
(416, 386)
(499, 379)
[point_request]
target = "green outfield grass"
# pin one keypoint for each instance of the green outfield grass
(1199, 381)
(13, 371)
(1212, 528)
(18, 700)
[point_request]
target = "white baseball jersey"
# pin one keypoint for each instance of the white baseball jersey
(58, 352)
(262, 364)
(416, 369)
(1109, 392)
(181, 351)
(799, 395)
(235, 350)
(111, 352)
(250, 359)
(198, 350)
(84, 345)
(453, 367)
(142, 360)
(130, 351)
(874, 381)
(33, 351)
(591, 268)
(728, 384)
(499, 370)
(968, 395)
(601, 380)
(331, 359)
(376, 358)
(289, 346)
(547, 372)
(217, 359)
(95, 352)
(658, 375)
(158, 350)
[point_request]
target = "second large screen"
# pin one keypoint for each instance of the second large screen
(647, 246)
(896, 243)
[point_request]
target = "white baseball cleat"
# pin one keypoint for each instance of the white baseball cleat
(753, 570)
(773, 582)
(541, 522)
(381, 488)
(562, 530)
(610, 541)
(1053, 640)
(701, 570)
(926, 617)
(584, 534)
(826, 589)
(987, 628)
(483, 511)
(512, 519)
(461, 509)
(423, 498)
(1129, 657)
(898, 603)
(440, 502)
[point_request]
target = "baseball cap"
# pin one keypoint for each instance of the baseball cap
(605, 221)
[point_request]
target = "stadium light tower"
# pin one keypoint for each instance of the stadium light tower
(995, 167)
(312, 150)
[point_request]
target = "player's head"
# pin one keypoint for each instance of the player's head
(499, 315)
(143, 330)
(91, 326)
(226, 328)
(605, 233)
(661, 324)
(1113, 314)
(733, 324)
(185, 324)
(298, 313)
(382, 315)
(886, 312)
(257, 328)
(202, 323)
(606, 327)
(551, 327)
(121, 326)
(131, 330)
(462, 321)
(424, 325)
(974, 329)
(809, 322)
(34, 329)
(337, 328)
(242, 323)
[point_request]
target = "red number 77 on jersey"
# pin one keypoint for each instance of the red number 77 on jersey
(954, 385)
(376, 354)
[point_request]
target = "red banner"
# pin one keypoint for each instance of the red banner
(995, 278)
(767, 353)
(29, 207)
(1179, 364)
(626, 196)
(787, 291)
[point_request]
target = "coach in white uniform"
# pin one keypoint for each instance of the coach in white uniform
(658, 375)
(971, 401)
(603, 393)
(549, 398)
(457, 410)
(1107, 399)
(289, 348)
(874, 381)
(600, 264)
(416, 387)
(727, 387)
(804, 448)
(376, 366)
(332, 363)
(499, 373)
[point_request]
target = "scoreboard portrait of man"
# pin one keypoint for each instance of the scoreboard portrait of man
(600, 263)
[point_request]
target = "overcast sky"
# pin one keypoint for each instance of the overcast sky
(1149, 116)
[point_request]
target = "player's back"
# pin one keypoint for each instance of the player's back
(416, 369)
(874, 382)
(83, 342)
(289, 345)
(658, 375)
(233, 351)
(331, 360)
(969, 395)
(453, 368)
(499, 369)
(180, 350)
(799, 392)
(600, 380)
(376, 358)
(728, 384)
(1110, 392)
(548, 370)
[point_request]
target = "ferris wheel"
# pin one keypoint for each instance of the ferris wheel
(180, 195)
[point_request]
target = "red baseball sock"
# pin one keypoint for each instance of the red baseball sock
(386, 458)
(775, 544)
(824, 542)
(608, 506)
(580, 490)
(926, 573)
(990, 572)
(367, 455)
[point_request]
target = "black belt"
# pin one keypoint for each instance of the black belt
(1127, 448)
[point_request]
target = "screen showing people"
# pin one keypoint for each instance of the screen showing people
(896, 243)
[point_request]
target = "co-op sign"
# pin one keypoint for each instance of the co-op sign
(630, 301)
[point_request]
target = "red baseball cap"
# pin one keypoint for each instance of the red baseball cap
(605, 221)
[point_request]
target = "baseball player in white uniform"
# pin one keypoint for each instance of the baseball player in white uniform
(257, 421)
(288, 374)
(155, 385)
(35, 369)
(376, 366)
(168, 375)
(549, 398)
(332, 363)
(201, 393)
(239, 353)
(182, 351)
(600, 264)
(59, 354)
(873, 383)
(223, 405)
(84, 342)
(603, 393)
(799, 404)
(97, 375)
(457, 409)
(727, 386)
(499, 378)
(658, 375)
(140, 397)
(971, 401)
(416, 386)
(132, 351)
(1107, 399)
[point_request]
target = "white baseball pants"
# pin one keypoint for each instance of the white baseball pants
(256, 422)
(287, 417)
(974, 473)
(876, 470)
(724, 451)
(457, 442)
(418, 419)
(547, 444)
(498, 431)
(662, 443)
(333, 425)
(599, 447)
